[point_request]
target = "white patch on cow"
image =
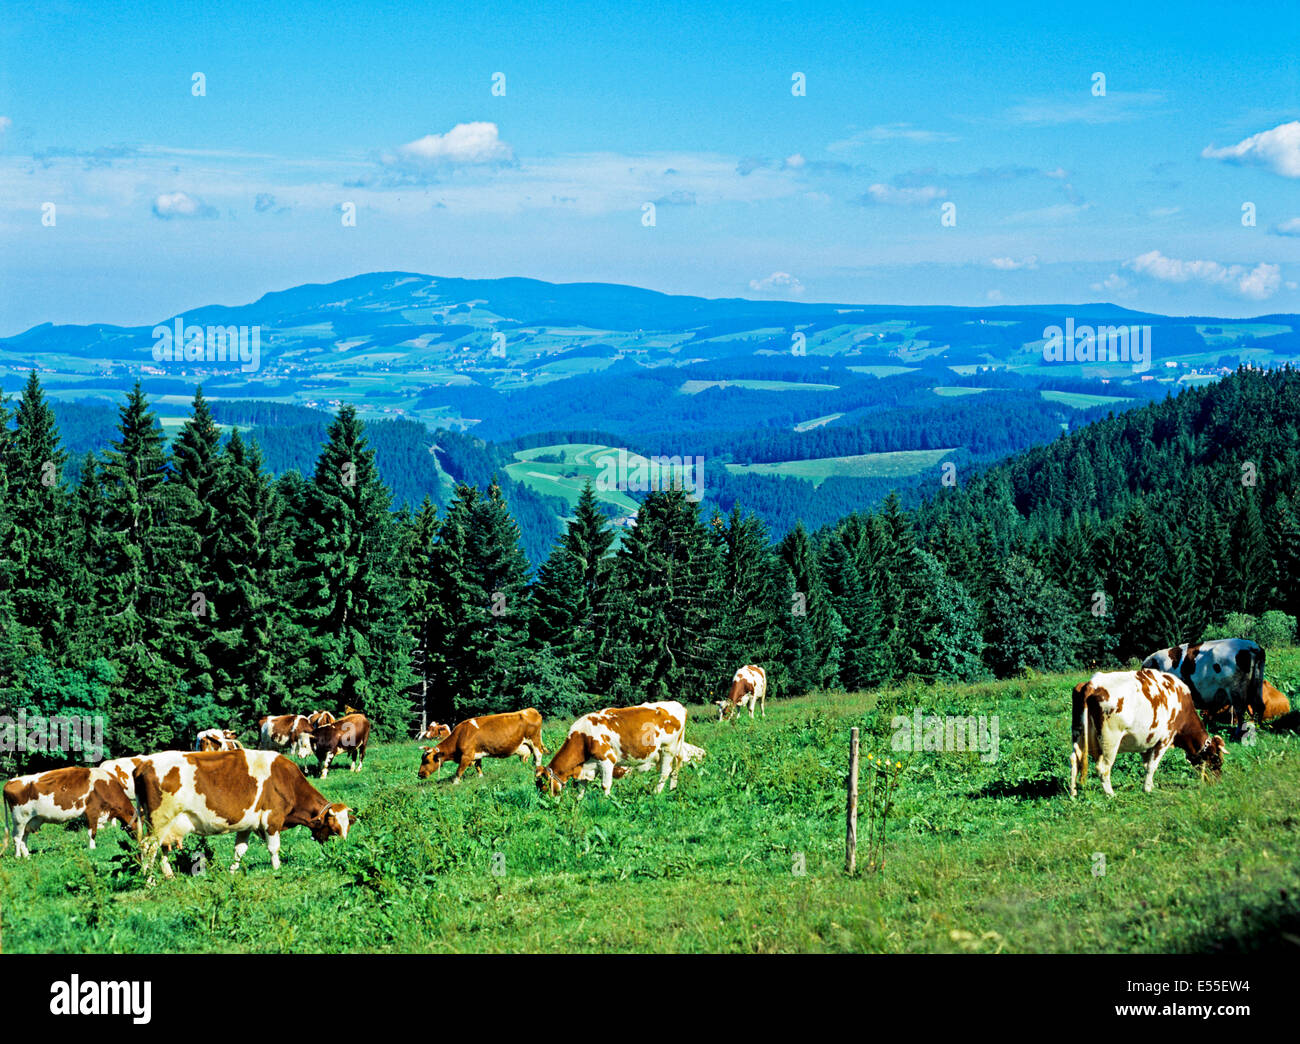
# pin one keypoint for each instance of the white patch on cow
(665, 747)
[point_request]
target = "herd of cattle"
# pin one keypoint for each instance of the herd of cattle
(221, 788)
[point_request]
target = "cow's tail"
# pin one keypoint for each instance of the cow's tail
(9, 825)
(1081, 709)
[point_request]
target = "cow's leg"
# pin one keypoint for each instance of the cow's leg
(466, 760)
(607, 776)
(273, 846)
(20, 839)
(763, 700)
(241, 846)
(1152, 759)
(325, 764)
(1109, 748)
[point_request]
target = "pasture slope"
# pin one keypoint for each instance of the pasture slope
(988, 857)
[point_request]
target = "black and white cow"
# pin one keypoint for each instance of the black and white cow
(1224, 673)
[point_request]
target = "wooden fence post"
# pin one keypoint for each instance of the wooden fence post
(851, 839)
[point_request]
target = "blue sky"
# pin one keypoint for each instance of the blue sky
(165, 201)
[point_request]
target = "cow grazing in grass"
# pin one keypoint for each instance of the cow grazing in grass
(347, 735)
(1275, 706)
(231, 791)
(1146, 711)
(217, 739)
(61, 795)
(435, 732)
(1225, 673)
(487, 736)
(321, 717)
(290, 732)
(638, 738)
(748, 687)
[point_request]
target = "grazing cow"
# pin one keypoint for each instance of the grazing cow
(346, 735)
(61, 795)
(319, 718)
(748, 687)
(487, 736)
(435, 732)
(286, 731)
(1275, 705)
(692, 753)
(1146, 711)
(626, 738)
(1229, 672)
(231, 791)
(123, 770)
(217, 739)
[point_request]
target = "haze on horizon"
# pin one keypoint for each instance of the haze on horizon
(787, 154)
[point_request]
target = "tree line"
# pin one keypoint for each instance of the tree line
(178, 587)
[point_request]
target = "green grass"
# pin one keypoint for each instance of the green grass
(817, 422)
(1081, 400)
(980, 856)
(957, 391)
(863, 465)
(695, 387)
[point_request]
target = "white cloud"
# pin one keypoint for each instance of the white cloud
(795, 162)
(1290, 227)
(1114, 107)
(891, 132)
(1112, 284)
(903, 197)
(1257, 284)
(465, 143)
(1278, 149)
(5, 123)
(994, 296)
(1010, 264)
(1060, 173)
(170, 205)
(777, 282)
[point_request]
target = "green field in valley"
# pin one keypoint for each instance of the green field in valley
(1082, 401)
(746, 855)
(862, 465)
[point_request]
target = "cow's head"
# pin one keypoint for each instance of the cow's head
(331, 821)
(548, 782)
(725, 708)
(431, 761)
(1210, 755)
(436, 731)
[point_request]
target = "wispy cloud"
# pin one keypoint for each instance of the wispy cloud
(887, 132)
(1290, 227)
(1115, 107)
(1278, 149)
(1010, 264)
(889, 195)
(1257, 284)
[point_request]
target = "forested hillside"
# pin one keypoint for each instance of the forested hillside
(178, 586)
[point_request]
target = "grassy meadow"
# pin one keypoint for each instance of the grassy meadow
(746, 855)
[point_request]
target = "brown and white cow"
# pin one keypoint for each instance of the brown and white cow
(231, 791)
(435, 732)
(1146, 711)
(1228, 672)
(639, 738)
(321, 717)
(286, 732)
(217, 739)
(487, 736)
(347, 735)
(61, 795)
(748, 687)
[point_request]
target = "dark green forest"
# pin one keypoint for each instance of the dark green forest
(176, 587)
